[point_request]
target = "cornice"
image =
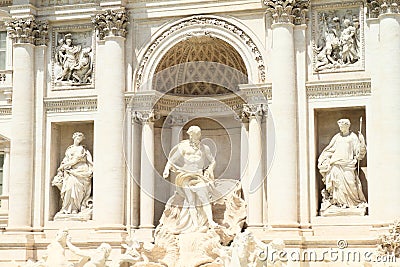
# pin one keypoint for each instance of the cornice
(339, 89)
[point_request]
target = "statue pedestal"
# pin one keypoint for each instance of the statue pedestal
(337, 211)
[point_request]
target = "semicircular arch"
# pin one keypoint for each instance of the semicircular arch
(224, 29)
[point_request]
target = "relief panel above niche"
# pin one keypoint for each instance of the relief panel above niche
(338, 37)
(72, 57)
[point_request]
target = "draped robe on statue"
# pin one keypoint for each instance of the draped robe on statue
(337, 164)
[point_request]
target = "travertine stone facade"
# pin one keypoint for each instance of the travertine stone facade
(266, 81)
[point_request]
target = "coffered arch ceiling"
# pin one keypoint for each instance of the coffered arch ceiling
(200, 65)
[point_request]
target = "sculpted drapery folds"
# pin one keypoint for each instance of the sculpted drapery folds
(337, 164)
(194, 165)
(74, 179)
(75, 61)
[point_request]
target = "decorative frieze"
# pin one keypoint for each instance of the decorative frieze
(28, 30)
(111, 23)
(333, 90)
(378, 7)
(87, 104)
(288, 11)
(5, 111)
(48, 3)
(73, 57)
(204, 21)
(338, 37)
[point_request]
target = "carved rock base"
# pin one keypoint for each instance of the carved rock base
(337, 211)
(84, 215)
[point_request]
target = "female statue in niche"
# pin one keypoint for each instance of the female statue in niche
(74, 179)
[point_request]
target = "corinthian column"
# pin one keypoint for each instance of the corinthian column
(25, 33)
(254, 172)
(283, 178)
(109, 163)
(147, 171)
(383, 137)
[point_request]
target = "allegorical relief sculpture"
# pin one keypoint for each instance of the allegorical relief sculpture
(73, 60)
(337, 163)
(74, 180)
(337, 39)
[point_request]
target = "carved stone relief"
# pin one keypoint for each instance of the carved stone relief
(73, 59)
(338, 37)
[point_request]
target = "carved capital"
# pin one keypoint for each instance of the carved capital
(28, 31)
(111, 23)
(288, 11)
(254, 110)
(379, 7)
(145, 116)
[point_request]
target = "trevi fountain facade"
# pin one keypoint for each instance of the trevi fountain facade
(230, 133)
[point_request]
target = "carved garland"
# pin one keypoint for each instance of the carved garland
(70, 105)
(204, 21)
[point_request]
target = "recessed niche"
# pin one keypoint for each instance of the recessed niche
(326, 128)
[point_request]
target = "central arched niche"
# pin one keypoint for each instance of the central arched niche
(199, 66)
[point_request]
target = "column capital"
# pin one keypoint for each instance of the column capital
(145, 116)
(111, 23)
(254, 110)
(288, 11)
(380, 7)
(28, 30)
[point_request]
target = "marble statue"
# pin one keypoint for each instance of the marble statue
(194, 180)
(200, 220)
(55, 253)
(74, 180)
(98, 258)
(337, 40)
(75, 61)
(337, 164)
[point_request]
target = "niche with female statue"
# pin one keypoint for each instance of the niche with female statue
(341, 162)
(71, 171)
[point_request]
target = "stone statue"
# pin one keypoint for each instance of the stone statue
(337, 164)
(55, 253)
(74, 180)
(194, 180)
(98, 258)
(75, 61)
